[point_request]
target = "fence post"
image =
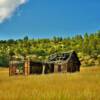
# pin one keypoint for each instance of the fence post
(43, 70)
(55, 68)
(27, 67)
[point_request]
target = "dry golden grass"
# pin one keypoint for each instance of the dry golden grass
(77, 86)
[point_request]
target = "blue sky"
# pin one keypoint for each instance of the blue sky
(48, 18)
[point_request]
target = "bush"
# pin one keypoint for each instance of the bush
(4, 61)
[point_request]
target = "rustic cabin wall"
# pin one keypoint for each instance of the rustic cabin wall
(55, 68)
(59, 67)
(12, 69)
(28, 67)
(64, 67)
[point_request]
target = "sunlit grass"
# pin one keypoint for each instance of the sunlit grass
(84, 85)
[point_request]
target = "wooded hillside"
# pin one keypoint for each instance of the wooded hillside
(87, 47)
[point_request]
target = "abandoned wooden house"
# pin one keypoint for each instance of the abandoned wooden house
(59, 62)
(65, 62)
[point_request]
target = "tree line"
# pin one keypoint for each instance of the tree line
(86, 46)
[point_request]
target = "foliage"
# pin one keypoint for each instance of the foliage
(87, 45)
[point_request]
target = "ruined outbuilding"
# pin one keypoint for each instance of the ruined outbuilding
(65, 62)
(58, 62)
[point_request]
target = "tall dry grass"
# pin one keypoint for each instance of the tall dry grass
(64, 86)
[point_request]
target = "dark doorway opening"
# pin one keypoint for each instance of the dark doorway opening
(59, 68)
(51, 68)
(36, 67)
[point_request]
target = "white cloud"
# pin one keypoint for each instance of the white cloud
(7, 8)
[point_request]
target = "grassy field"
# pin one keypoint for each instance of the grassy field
(76, 86)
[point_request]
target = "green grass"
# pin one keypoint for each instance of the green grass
(84, 85)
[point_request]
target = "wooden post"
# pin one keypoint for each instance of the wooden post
(27, 67)
(62, 67)
(10, 70)
(66, 67)
(43, 70)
